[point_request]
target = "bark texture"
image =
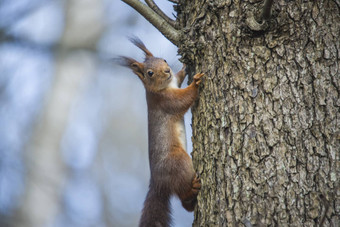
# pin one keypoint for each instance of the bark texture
(266, 126)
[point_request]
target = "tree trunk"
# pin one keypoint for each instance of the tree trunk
(266, 126)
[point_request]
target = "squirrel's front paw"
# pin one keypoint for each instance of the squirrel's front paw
(197, 78)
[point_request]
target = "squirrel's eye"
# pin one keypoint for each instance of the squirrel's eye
(150, 73)
(165, 61)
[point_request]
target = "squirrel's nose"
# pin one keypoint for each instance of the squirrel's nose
(167, 70)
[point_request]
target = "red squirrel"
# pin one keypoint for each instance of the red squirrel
(172, 171)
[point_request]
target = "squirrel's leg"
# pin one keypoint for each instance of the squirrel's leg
(185, 182)
(189, 199)
(181, 75)
(179, 100)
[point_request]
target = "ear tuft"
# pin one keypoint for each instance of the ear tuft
(135, 40)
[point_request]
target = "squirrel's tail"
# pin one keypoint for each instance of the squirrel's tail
(156, 211)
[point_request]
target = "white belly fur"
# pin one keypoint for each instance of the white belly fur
(180, 129)
(173, 83)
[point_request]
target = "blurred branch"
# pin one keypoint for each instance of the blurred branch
(42, 201)
(156, 20)
(10, 38)
(155, 8)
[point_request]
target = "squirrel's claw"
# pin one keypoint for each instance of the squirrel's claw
(196, 183)
(197, 78)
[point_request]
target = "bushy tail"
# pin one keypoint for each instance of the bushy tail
(156, 211)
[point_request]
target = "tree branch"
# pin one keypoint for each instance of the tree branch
(156, 20)
(155, 8)
(259, 23)
(267, 6)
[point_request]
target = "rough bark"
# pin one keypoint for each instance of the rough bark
(266, 126)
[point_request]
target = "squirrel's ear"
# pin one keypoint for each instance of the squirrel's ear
(138, 69)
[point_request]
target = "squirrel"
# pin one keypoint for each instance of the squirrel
(171, 168)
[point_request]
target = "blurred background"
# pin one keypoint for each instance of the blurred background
(73, 125)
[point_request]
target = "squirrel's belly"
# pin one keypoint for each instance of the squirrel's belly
(180, 129)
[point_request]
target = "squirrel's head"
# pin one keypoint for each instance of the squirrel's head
(155, 73)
